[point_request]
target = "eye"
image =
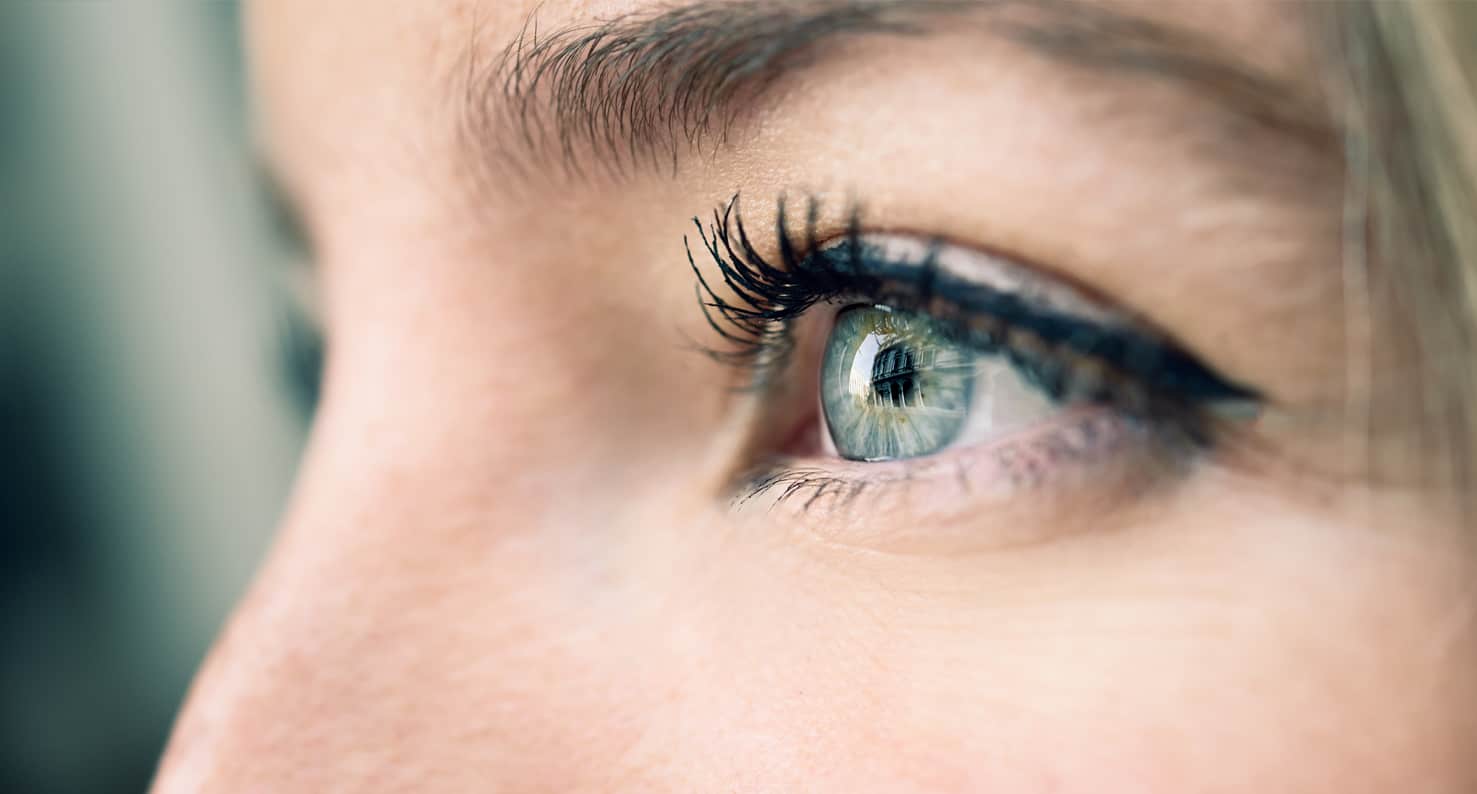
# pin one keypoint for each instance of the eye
(894, 384)
(936, 346)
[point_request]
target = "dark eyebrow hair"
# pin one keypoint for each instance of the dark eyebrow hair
(640, 89)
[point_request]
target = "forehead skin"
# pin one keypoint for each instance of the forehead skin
(486, 584)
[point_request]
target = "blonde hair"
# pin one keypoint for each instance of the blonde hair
(1410, 108)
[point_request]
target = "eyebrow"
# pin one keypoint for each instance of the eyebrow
(640, 90)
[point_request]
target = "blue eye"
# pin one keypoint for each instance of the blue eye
(894, 385)
(891, 386)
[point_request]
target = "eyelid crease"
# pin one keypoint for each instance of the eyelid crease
(938, 256)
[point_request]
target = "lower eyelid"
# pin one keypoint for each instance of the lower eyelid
(1087, 450)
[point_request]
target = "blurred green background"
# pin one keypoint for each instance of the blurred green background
(149, 420)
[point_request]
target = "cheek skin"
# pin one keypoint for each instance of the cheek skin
(420, 626)
(1200, 654)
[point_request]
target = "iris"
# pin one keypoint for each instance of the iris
(893, 385)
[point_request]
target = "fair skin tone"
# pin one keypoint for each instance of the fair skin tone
(517, 558)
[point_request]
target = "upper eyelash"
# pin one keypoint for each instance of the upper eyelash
(766, 298)
(1136, 372)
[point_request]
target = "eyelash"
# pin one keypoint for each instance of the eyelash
(769, 298)
(1140, 376)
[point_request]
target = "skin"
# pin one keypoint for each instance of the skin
(512, 563)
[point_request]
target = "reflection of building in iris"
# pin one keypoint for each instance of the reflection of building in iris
(896, 376)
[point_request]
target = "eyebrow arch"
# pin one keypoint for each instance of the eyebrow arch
(641, 89)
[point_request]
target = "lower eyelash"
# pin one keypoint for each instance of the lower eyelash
(1025, 461)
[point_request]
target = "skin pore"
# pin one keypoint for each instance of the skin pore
(518, 560)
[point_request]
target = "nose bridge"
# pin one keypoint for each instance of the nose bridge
(231, 719)
(375, 652)
(304, 691)
(426, 611)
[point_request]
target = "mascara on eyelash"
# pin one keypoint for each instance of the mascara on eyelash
(1068, 356)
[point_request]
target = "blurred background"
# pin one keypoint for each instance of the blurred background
(155, 379)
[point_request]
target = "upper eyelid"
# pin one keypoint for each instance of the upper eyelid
(1021, 326)
(769, 296)
(1055, 298)
(990, 269)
